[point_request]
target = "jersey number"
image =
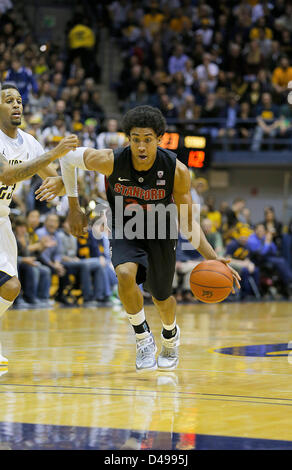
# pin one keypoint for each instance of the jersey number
(7, 191)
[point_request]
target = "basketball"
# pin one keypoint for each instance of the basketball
(211, 281)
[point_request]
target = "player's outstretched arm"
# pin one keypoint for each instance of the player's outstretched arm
(89, 159)
(187, 212)
(10, 175)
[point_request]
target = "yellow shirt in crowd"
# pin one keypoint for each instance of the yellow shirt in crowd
(282, 77)
(81, 36)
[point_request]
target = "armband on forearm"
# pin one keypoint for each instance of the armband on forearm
(69, 163)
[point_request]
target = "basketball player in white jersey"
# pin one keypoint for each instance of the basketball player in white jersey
(21, 156)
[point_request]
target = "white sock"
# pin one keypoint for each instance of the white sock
(4, 305)
(139, 324)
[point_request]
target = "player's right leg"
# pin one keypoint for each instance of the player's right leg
(132, 300)
(9, 283)
(9, 290)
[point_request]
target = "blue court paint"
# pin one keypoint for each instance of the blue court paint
(257, 350)
(24, 436)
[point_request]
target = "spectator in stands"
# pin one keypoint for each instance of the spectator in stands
(263, 251)
(153, 18)
(282, 75)
(244, 124)
(168, 109)
(129, 82)
(273, 226)
(58, 129)
(284, 123)
(246, 215)
(266, 113)
(35, 277)
(254, 59)
(232, 218)
(87, 271)
(254, 94)
(189, 111)
(179, 22)
(198, 187)
(89, 250)
(110, 134)
(52, 255)
(238, 86)
(177, 61)
(249, 272)
(211, 111)
(211, 213)
(59, 112)
(286, 42)
(23, 78)
(230, 114)
(118, 11)
(206, 32)
(201, 92)
(97, 110)
(140, 97)
(213, 236)
(81, 44)
(207, 71)
(89, 133)
(233, 61)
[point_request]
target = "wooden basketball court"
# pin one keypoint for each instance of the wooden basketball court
(72, 384)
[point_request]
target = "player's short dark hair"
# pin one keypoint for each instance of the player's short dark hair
(144, 116)
(7, 86)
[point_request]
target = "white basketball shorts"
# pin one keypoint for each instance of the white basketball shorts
(8, 251)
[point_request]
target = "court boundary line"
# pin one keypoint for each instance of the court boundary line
(193, 394)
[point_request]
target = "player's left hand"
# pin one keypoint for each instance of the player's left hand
(235, 275)
(50, 188)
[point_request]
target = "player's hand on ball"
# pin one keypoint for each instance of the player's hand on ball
(235, 275)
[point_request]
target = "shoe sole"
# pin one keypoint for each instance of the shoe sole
(146, 369)
(167, 368)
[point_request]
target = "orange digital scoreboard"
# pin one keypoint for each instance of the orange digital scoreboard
(192, 149)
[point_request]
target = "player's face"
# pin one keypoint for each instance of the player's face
(11, 107)
(143, 143)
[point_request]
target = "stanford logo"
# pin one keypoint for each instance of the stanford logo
(140, 193)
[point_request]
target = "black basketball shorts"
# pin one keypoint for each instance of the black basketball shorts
(156, 260)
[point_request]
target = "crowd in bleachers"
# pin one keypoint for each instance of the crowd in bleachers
(228, 61)
(260, 252)
(55, 266)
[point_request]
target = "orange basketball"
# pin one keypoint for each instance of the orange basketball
(211, 281)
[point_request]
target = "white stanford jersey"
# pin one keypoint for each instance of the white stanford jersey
(25, 147)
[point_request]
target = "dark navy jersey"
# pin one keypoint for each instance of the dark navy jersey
(145, 188)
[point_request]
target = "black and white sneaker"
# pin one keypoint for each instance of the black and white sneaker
(168, 358)
(145, 354)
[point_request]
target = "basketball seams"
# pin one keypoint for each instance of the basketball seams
(212, 271)
(211, 287)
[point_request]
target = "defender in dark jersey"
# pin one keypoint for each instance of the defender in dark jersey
(142, 176)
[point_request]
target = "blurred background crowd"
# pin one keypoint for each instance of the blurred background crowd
(218, 68)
